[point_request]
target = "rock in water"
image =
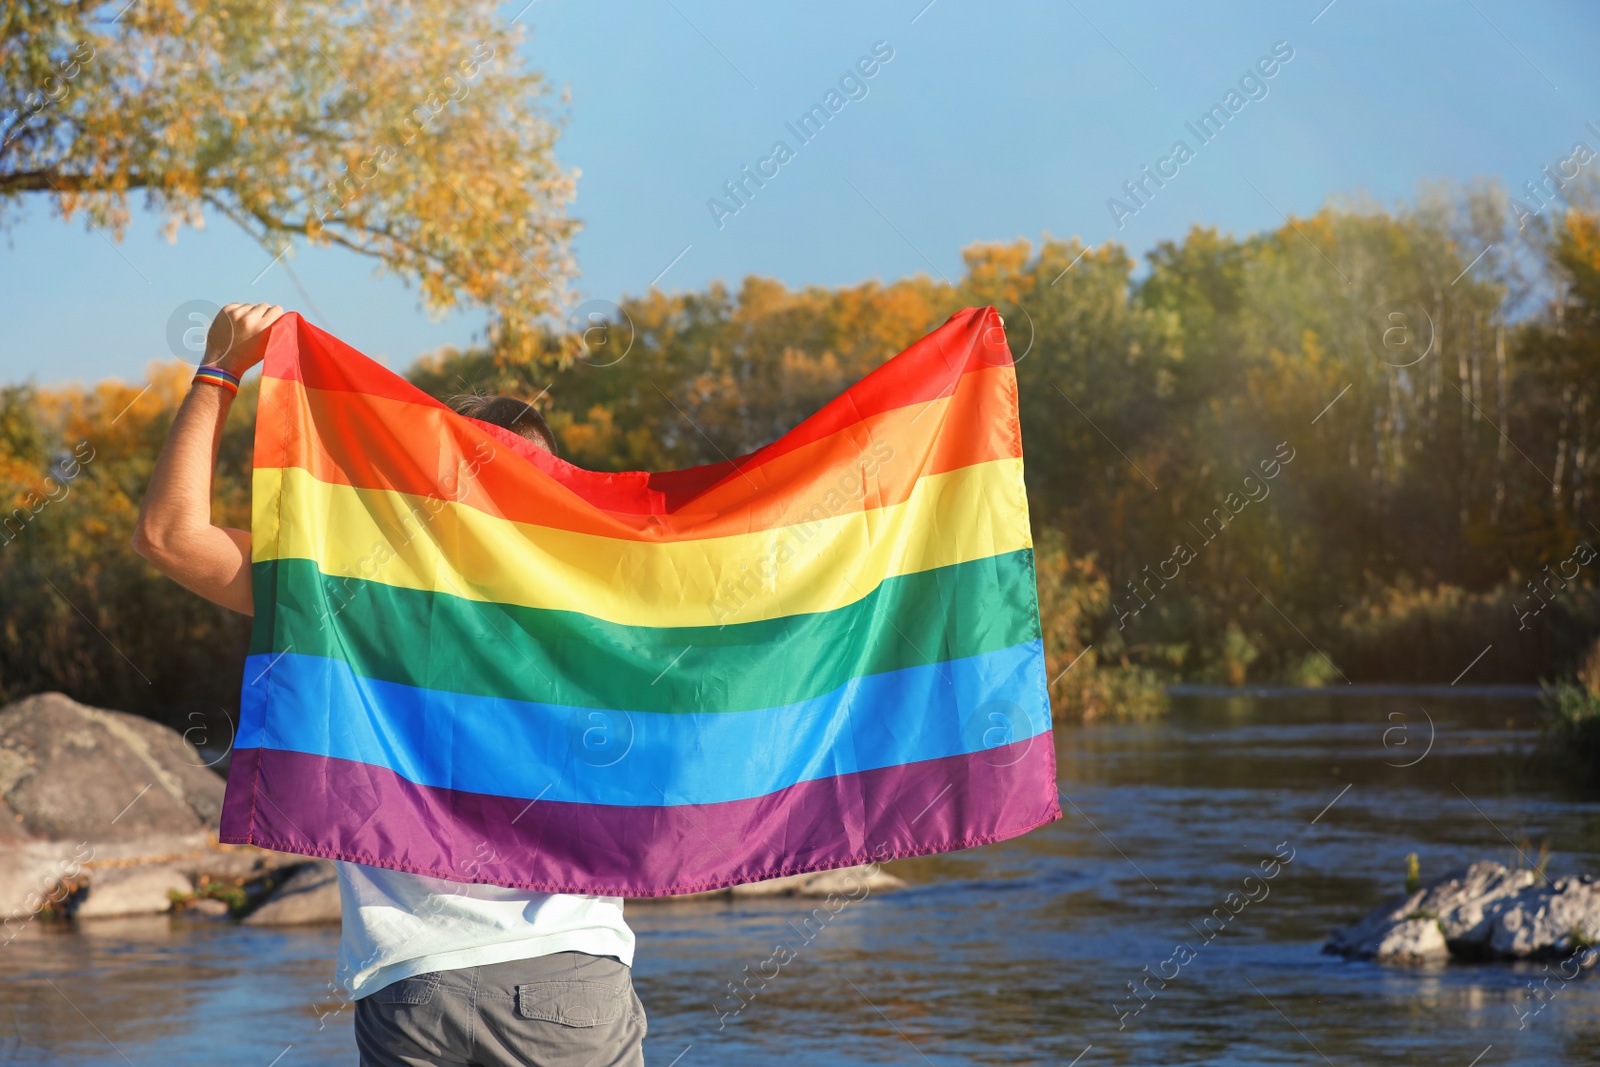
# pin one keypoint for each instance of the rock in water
(852, 882)
(311, 895)
(78, 773)
(1484, 910)
(1412, 941)
(131, 891)
(1558, 918)
(204, 908)
(1464, 902)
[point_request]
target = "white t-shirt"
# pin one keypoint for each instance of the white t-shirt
(397, 925)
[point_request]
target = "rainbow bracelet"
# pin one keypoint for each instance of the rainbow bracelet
(217, 376)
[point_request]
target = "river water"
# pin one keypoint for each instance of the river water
(1016, 953)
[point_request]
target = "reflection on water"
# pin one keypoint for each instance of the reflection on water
(1018, 953)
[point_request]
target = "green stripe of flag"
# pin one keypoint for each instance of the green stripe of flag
(440, 641)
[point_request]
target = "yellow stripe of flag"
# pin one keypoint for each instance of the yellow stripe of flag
(441, 546)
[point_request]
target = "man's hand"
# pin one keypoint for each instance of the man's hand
(174, 530)
(237, 339)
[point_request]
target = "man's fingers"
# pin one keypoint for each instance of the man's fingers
(261, 315)
(251, 315)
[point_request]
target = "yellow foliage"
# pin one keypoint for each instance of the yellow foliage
(408, 134)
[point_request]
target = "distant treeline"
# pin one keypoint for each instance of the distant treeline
(1357, 448)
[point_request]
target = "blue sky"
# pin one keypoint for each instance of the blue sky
(991, 122)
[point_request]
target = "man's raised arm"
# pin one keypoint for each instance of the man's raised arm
(175, 532)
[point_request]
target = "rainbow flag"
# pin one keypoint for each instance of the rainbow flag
(473, 660)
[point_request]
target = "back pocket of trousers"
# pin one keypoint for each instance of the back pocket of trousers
(572, 1003)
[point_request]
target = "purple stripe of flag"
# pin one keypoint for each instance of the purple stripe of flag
(371, 815)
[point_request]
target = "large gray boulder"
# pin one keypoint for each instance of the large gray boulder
(88, 795)
(69, 772)
(310, 896)
(1485, 910)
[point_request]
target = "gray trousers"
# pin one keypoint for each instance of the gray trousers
(563, 1010)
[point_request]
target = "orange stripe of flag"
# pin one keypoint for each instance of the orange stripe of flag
(870, 464)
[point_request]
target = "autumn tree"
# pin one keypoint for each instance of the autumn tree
(406, 133)
(1562, 354)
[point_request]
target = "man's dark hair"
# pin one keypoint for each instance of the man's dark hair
(509, 413)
